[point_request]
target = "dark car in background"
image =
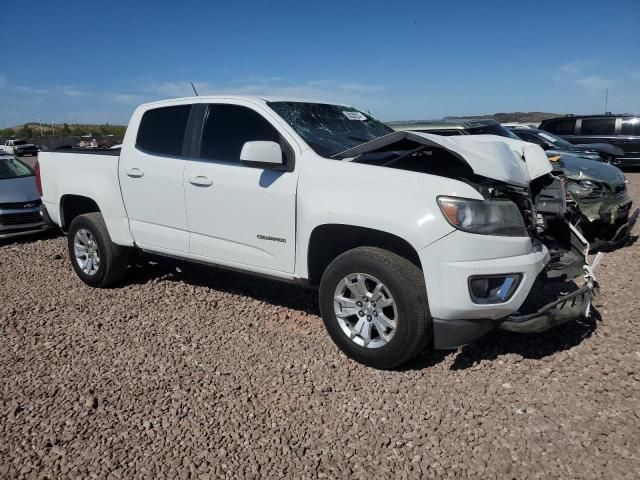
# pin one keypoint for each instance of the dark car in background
(556, 145)
(620, 130)
(597, 199)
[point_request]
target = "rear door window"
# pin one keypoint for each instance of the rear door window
(630, 126)
(228, 127)
(162, 130)
(598, 126)
(563, 126)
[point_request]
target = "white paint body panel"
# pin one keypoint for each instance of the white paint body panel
(220, 223)
(226, 218)
(91, 176)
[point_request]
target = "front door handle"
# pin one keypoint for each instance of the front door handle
(134, 172)
(200, 181)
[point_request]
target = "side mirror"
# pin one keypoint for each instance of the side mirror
(262, 154)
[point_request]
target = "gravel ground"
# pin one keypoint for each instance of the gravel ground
(191, 372)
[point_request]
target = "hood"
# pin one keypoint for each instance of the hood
(605, 148)
(504, 159)
(590, 155)
(15, 190)
(579, 168)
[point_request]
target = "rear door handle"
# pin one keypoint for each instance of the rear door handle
(134, 172)
(200, 181)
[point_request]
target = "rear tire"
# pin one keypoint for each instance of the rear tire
(96, 259)
(394, 301)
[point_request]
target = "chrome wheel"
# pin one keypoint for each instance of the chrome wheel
(86, 251)
(365, 310)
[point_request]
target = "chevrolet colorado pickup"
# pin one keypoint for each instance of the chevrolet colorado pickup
(414, 241)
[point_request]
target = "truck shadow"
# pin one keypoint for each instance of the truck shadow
(529, 346)
(148, 268)
(497, 343)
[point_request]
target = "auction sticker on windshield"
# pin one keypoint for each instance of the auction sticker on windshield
(354, 115)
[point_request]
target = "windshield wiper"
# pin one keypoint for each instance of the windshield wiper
(359, 139)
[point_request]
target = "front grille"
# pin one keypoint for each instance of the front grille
(20, 218)
(20, 205)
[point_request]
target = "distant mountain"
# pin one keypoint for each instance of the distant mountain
(521, 117)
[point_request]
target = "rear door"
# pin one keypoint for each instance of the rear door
(238, 214)
(151, 178)
(595, 130)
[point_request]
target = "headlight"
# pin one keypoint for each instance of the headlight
(488, 217)
(584, 189)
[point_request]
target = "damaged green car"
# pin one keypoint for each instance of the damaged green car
(597, 200)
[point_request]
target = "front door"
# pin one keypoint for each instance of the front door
(238, 214)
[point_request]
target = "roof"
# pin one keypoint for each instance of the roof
(248, 98)
(595, 115)
(459, 123)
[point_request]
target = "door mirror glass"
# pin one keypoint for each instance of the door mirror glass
(262, 153)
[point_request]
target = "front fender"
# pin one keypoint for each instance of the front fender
(393, 201)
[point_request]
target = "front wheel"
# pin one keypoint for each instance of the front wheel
(374, 306)
(95, 258)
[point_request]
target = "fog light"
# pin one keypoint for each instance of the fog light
(493, 288)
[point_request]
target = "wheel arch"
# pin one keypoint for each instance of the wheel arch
(72, 205)
(327, 241)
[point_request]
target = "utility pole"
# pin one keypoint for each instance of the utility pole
(53, 130)
(606, 99)
(40, 123)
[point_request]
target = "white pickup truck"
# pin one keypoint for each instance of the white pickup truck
(19, 148)
(415, 241)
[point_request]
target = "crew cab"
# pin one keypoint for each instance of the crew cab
(413, 240)
(19, 148)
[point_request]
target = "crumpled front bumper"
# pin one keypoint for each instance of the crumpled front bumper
(538, 309)
(563, 308)
(622, 235)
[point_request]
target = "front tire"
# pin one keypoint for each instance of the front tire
(374, 306)
(96, 259)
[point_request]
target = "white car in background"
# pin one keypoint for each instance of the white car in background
(413, 240)
(20, 204)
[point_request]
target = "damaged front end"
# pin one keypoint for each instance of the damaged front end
(517, 172)
(565, 288)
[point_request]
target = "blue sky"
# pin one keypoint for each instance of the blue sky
(72, 61)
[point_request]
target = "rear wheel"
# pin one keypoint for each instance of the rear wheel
(374, 306)
(95, 258)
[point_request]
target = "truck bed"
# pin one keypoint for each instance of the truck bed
(84, 174)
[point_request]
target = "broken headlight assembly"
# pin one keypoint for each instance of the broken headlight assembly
(487, 217)
(584, 189)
